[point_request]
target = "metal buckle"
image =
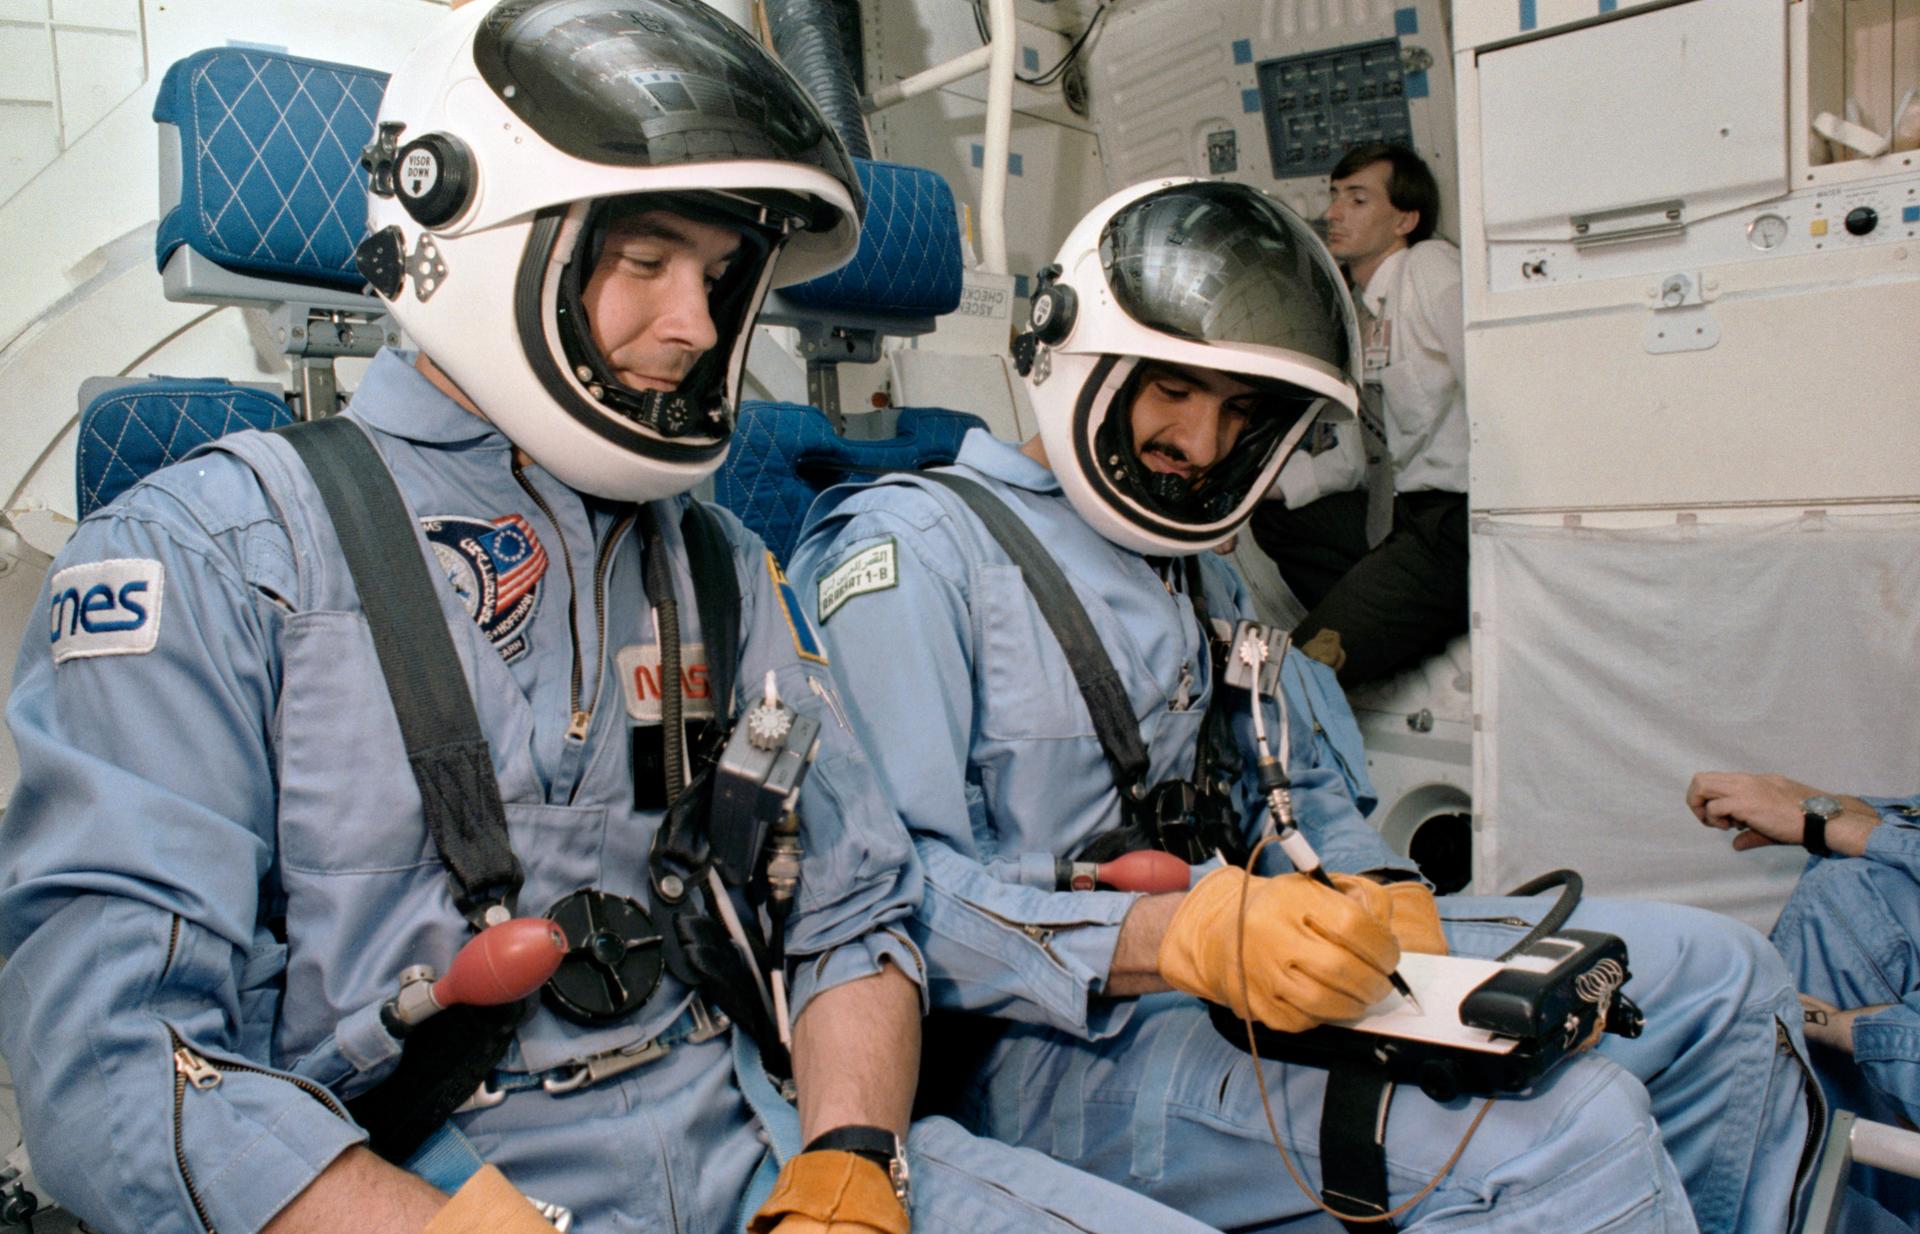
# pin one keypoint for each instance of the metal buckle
(899, 1176)
(606, 1066)
(706, 1024)
(485, 1097)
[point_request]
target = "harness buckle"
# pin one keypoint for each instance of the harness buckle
(605, 1066)
(706, 1024)
(484, 1097)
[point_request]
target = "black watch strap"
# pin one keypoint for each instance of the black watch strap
(876, 1144)
(1813, 834)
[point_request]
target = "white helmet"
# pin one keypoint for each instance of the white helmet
(1199, 273)
(504, 143)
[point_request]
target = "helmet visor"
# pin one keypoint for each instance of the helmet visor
(1221, 263)
(652, 83)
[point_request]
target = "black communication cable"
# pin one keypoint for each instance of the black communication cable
(1052, 75)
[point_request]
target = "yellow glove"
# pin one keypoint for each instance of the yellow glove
(488, 1204)
(1414, 918)
(1313, 954)
(830, 1192)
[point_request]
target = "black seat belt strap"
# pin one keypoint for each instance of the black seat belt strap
(445, 1058)
(446, 750)
(1100, 685)
(1353, 1151)
(716, 597)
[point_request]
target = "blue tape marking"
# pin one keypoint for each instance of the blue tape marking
(1014, 164)
(1910, 215)
(1608, 6)
(1020, 286)
(1249, 101)
(1417, 85)
(1243, 51)
(1406, 21)
(1030, 58)
(1529, 15)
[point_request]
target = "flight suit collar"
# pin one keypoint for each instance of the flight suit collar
(1003, 461)
(397, 399)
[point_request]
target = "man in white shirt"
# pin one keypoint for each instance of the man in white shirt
(1378, 602)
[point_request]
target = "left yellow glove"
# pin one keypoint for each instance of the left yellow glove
(1415, 918)
(830, 1192)
(488, 1204)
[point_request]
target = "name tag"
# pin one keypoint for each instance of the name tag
(639, 667)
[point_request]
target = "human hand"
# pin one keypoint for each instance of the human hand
(1313, 954)
(831, 1192)
(1828, 1025)
(1414, 917)
(1764, 809)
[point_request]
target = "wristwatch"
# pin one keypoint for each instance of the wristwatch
(1816, 810)
(877, 1145)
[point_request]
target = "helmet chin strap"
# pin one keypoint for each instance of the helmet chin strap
(1167, 488)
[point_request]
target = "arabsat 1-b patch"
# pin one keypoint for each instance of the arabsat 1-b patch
(105, 608)
(874, 568)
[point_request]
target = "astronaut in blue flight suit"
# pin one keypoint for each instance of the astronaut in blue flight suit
(1851, 937)
(1189, 333)
(216, 865)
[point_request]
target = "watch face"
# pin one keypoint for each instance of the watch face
(1821, 804)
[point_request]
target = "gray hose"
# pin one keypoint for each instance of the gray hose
(806, 34)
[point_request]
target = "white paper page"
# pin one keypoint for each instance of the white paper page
(1440, 983)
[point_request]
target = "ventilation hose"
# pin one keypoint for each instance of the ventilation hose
(806, 35)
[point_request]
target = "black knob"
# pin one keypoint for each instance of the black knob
(1861, 220)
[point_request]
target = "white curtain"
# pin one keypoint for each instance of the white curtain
(1612, 664)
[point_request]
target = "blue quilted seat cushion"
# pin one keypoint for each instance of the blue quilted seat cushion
(909, 258)
(270, 178)
(127, 433)
(783, 455)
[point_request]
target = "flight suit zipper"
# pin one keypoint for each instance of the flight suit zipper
(190, 1068)
(579, 716)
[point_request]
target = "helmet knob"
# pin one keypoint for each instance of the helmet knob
(433, 178)
(1051, 318)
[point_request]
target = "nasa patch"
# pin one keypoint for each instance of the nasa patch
(639, 666)
(105, 608)
(495, 568)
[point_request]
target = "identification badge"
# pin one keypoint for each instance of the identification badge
(872, 569)
(105, 608)
(1377, 344)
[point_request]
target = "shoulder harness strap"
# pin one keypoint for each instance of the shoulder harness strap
(1100, 685)
(446, 1057)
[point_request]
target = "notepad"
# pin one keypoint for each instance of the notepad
(1441, 983)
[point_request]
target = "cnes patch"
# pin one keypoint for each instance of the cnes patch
(105, 608)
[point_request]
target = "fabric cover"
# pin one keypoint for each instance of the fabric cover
(270, 177)
(129, 432)
(1611, 665)
(785, 454)
(909, 258)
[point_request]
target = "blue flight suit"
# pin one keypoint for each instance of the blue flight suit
(215, 858)
(1851, 936)
(981, 736)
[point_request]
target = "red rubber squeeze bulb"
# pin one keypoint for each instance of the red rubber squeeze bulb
(1148, 869)
(502, 964)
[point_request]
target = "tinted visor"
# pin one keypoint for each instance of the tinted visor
(652, 83)
(1221, 263)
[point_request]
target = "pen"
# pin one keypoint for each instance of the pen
(1305, 860)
